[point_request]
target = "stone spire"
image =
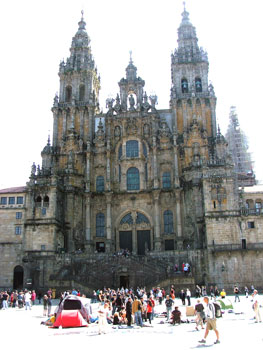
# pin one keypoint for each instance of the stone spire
(188, 49)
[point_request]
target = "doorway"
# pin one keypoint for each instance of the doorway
(124, 282)
(18, 279)
(144, 241)
(126, 240)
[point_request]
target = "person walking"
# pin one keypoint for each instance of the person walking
(256, 306)
(182, 296)
(49, 305)
(5, 297)
(45, 299)
(210, 321)
(168, 303)
(27, 300)
(236, 292)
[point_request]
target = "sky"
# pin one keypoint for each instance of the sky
(36, 36)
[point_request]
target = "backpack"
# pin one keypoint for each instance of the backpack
(218, 312)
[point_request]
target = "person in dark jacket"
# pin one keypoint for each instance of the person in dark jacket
(182, 296)
(128, 308)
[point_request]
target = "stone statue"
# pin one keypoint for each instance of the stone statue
(33, 169)
(153, 99)
(117, 131)
(132, 103)
(117, 106)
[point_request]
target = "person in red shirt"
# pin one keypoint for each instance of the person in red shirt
(149, 310)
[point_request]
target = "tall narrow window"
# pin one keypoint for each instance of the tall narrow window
(120, 152)
(68, 96)
(144, 149)
(38, 201)
(198, 85)
(133, 179)
(119, 174)
(132, 148)
(166, 180)
(168, 222)
(184, 84)
(11, 200)
(46, 202)
(18, 230)
(100, 225)
(100, 184)
(82, 92)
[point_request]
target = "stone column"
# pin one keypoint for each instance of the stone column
(88, 167)
(176, 170)
(70, 219)
(64, 123)
(81, 123)
(157, 227)
(213, 117)
(184, 104)
(55, 127)
(88, 223)
(108, 223)
(108, 173)
(134, 235)
(155, 169)
(178, 213)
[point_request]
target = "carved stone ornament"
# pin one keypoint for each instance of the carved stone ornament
(131, 127)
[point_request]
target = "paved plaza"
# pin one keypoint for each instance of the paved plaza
(22, 330)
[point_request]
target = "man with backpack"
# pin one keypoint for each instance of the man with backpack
(210, 321)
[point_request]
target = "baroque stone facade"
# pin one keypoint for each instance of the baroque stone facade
(159, 183)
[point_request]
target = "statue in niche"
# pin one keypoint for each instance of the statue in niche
(211, 89)
(117, 131)
(132, 103)
(109, 105)
(145, 104)
(55, 100)
(117, 106)
(146, 130)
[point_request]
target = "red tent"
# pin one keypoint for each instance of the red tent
(72, 312)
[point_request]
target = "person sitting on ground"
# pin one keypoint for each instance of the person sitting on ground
(116, 319)
(223, 294)
(176, 316)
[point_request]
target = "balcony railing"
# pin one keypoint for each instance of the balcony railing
(252, 211)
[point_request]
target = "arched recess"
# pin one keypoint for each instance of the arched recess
(18, 279)
(134, 232)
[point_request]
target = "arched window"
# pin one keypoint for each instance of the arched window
(140, 218)
(120, 152)
(198, 85)
(46, 201)
(258, 206)
(144, 149)
(184, 84)
(100, 183)
(82, 92)
(166, 180)
(168, 222)
(100, 225)
(127, 219)
(132, 148)
(189, 103)
(68, 96)
(38, 201)
(133, 179)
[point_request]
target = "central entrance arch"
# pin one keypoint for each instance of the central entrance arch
(135, 233)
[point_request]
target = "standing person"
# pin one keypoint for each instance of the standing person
(128, 308)
(153, 305)
(246, 291)
(5, 297)
(168, 303)
(136, 311)
(236, 291)
(210, 321)
(49, 305)
(45, 299)
(182, 296)
(188, 296)
(103, 313)
(27, 300)
(33, 297)
(149, 311)
(199, 311)
(160, 296)
(39, 298)
(256, 306)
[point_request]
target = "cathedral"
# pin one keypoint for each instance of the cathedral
(126, 197)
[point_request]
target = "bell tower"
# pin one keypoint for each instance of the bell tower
(192, 98)
(78, 98)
